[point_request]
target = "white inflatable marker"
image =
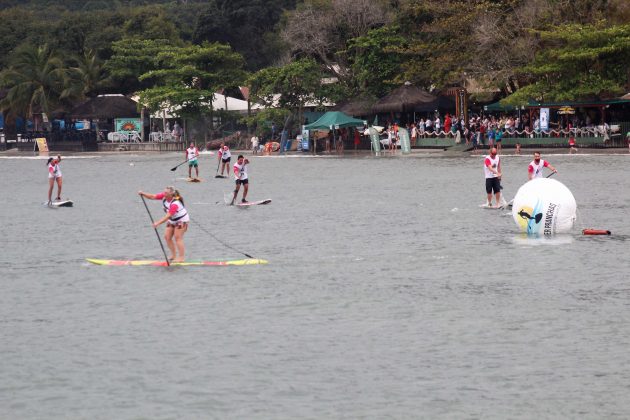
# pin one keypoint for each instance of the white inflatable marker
(544, 206)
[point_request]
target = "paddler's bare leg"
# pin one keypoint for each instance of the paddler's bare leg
(168, 236)
(179, 242)
(59, 182)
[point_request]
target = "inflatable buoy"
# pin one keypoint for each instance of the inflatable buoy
(595, 232)
(544, 206)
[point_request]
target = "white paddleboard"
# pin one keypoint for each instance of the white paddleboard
(61, 203)
(486, 206)
(254, 203)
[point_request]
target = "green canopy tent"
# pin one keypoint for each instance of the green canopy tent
(333, 120)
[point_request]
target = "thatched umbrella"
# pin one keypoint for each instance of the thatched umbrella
(403, 99)
(106, 107)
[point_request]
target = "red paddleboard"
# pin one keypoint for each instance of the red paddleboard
(595, 232)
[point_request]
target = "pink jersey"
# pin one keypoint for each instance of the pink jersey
(536, 169)
(174, 208)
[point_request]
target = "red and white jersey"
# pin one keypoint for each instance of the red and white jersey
(174, 208)
(492, 163)
(537, 169)
(192, 153)
(240, 171)
(53, 170)
(224, 153)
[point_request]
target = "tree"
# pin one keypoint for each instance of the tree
(577, 62)
(133, 57)
(290, 86)
(373, 60)
(186, 78)
(90, 74)
(36, 81)
(246, 25)
(320, 28)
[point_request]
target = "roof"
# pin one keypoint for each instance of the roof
(106, 107)
(334, 119)
(403, 98)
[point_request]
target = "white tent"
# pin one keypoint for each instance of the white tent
(218, 103)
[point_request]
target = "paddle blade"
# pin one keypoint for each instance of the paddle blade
(174, 168)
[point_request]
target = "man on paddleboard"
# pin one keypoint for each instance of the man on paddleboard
(54, 175)
(492, 171)
(176, 219)
(224, 156)
(191, 156)
(535, 168)
(240, 172)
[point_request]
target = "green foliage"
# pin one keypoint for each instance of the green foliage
(133, 57)
(36, 81)
(186, 78)
(374, 60)
(260, 122)
(246, 25)
(289, 86)
(577, 62)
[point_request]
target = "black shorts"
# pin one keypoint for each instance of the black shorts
(226, 160)
(242, 181)
(493, 185)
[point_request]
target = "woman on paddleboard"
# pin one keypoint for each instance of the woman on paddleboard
(176, 219)
(224, 155)
(54, 175)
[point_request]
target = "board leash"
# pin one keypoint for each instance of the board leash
(219, 240)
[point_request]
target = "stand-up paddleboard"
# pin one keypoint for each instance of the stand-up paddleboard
(254, 203)
(194, 179)
(220, 176)
(162, 263)
(61, 203)
(486, 206)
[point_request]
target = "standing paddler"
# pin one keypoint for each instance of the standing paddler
(176, 219)
(191, 156)
(240, 173)
(54, 175)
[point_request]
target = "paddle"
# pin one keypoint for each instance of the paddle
(551, 174)
(156, 232)
(217, 173)
(175, 167)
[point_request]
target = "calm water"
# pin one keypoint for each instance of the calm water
(389, 294)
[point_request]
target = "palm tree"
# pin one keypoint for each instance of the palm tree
(35, 82)
(89, 75)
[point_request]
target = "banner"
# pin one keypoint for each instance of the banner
(42, 145)
(128, 124)
(544, 119)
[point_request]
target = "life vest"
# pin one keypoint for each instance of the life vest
(181, 210)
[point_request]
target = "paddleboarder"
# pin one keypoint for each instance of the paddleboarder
(535, 168)
(176, 219)
(54, 176)
(240, 172)
(492, 171)
(191, 155)
(224, 155)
